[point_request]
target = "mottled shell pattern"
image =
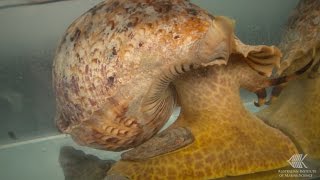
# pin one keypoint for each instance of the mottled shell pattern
(114, 65)
(301, 41)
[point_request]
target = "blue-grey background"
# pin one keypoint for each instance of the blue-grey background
(29, 35)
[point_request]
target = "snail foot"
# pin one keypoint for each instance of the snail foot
(166, 141)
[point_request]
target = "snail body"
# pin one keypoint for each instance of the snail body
(122, 67)
(113, 69)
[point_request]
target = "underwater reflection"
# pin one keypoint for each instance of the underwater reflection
(77, 165)
(126, 110)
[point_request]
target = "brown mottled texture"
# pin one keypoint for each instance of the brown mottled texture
(297, 113)
(122, 66)
(302, 36)
(113, 68)
(282, 173)
(297, 110)
(229, 140)
(77, 165)
(279, 83)
(164, 142)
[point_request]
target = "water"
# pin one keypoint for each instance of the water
(30, 34)
(30, 143)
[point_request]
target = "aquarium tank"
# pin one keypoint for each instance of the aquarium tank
(159, 89)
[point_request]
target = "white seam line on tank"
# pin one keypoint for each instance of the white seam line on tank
(11, 145)
(6, 146)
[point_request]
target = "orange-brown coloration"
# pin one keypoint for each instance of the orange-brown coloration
(279, 83)
(297, 110)
(123, 65)
(229, 140)
(302, 36)
(116, 63)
